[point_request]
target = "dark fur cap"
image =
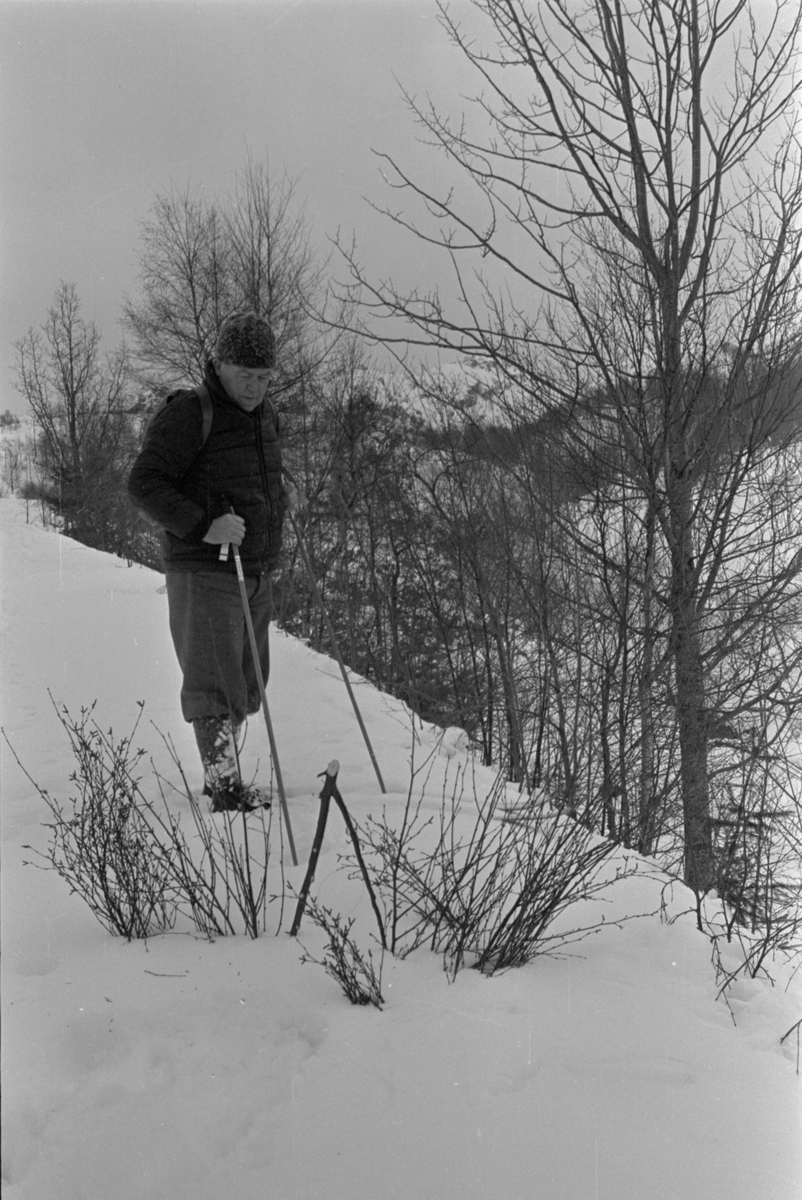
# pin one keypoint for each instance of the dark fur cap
(246, 340)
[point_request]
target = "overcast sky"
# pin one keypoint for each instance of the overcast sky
(105, 103)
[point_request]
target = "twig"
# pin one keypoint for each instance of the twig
(796, 1026)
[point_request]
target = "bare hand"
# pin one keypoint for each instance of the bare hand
(228, 528)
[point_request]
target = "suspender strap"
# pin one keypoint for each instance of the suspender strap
(202, 393)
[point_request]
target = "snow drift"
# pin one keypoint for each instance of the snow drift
(178, 1067)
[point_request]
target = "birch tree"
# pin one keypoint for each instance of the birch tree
(202, 257)
(81, 409)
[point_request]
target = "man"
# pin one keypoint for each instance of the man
(208, 486)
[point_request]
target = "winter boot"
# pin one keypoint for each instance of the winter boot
(215, 739)
(221, 781)
(232, 795)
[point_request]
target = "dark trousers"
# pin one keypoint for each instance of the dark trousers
(210, 636)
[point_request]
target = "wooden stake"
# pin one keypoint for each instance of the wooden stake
(335, 647)
(329, 792)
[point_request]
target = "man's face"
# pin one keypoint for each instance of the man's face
(246, 386)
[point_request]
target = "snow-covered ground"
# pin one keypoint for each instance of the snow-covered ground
(182, 1069)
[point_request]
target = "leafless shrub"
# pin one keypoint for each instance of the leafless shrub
(754, 918)
(738, 952)
(101, 842)
(343, 960)
(131, 859)
(491, 888)
(221, 879)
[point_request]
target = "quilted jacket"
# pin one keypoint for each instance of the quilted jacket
(183, 485)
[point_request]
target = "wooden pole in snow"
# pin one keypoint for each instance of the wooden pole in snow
(335, 647)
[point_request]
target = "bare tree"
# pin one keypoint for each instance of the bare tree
(640, 189)
(184, 294)
(84, 430)
(203, 257)
(272, 264)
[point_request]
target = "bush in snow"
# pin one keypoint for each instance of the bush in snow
(758, 837)
(101, 842)
(343, 960)
(484, 885)
(753, 917)
(220, 867)
(134, 863)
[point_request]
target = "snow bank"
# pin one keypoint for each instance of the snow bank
(180, 1068)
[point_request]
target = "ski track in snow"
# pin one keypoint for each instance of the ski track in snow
(178, 1068)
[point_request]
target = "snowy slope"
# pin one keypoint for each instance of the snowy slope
(180, 1068)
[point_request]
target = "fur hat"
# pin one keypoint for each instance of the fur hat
(246, 340)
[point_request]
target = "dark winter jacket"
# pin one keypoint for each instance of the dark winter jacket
(184, 485)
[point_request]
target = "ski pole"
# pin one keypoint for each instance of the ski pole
(335, 646)
(246, 608)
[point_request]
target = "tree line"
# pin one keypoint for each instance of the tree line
(582, 546)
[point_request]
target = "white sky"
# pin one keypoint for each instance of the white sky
(103, 104)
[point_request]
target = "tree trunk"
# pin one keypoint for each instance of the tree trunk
(646, 803)
(690, 692)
